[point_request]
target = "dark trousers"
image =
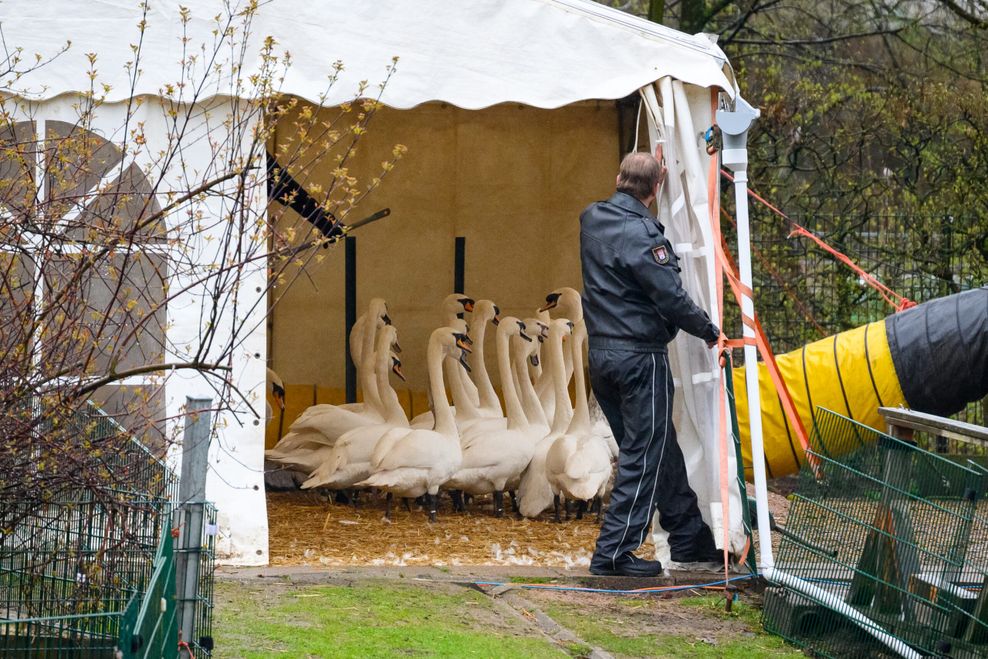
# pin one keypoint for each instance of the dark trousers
(635, 392)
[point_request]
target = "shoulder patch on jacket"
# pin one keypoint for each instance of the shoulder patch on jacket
(661, 254)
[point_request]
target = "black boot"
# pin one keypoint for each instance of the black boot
(626, 565)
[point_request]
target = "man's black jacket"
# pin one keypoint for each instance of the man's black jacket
(633, 297)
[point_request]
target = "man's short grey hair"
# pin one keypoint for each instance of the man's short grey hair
(639, 174)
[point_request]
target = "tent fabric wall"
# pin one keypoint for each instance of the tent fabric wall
(235, 478)
(511, 179)
(678, 114)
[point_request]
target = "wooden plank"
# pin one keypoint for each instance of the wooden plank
(935, 425)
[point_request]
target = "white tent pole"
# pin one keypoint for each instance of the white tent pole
(734, 127)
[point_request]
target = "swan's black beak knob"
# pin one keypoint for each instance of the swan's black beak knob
(551, 300)
(463, 342)
(396, 368)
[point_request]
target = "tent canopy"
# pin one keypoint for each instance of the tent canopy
(542, 53)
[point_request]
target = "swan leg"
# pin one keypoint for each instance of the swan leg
(598, 506)
(581, 507)
(457, 498)
(499, 504)
(408, 503)
(555, 507)
(514, 501)
(566, 507)
(387, 506)
(432, 500)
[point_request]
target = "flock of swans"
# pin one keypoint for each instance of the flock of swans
(540, 446)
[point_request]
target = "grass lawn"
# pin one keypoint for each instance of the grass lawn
(678, 627)
(388, 618)
(277, 619)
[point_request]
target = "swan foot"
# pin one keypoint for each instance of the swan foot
(432, 500)
(387, 506)
(499, 504)
(555, 508)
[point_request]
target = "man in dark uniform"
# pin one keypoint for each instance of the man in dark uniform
(634, 304)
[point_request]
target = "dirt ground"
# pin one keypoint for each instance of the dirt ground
(307, 529)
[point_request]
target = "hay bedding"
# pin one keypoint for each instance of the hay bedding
(306, 529)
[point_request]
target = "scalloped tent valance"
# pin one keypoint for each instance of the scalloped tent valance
(542, 53)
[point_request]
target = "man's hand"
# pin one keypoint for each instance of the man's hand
(722, 358)
(661, 159)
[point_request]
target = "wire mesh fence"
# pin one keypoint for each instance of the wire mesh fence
(71, 566)
(891, 530)
(804, 294)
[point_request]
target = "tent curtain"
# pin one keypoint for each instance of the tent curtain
(676, 115)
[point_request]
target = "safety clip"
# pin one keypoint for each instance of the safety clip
(713, 139)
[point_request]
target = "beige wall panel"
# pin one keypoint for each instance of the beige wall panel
(511, 179)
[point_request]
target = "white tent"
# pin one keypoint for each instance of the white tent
(540, 53)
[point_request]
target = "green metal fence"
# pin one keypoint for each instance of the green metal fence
(895, 532)
(92, 574)
(150, 627)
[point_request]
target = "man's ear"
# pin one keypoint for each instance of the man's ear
(617, 180)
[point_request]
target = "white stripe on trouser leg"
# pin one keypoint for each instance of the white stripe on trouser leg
(627, 523)
(662, 453)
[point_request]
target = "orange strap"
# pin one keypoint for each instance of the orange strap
(761, 341)
(898, 302)
(713, 203)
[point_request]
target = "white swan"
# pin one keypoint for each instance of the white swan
(277, 392)
(492, 459)
(452, 310)
(410, 462)
(578, 464)
(568, 304)
(323, 424)
(454, 307)
(534, 493)
(484, 311)
(528, 353)
(565, 303)
(349, 459)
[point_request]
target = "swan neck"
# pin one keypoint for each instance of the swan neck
(366, 370)
(394, 413)
(512, 406)
(581, 413)
(564, 409)
(480, 376)
(461, 399)
(443, 416)
(530, 400)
